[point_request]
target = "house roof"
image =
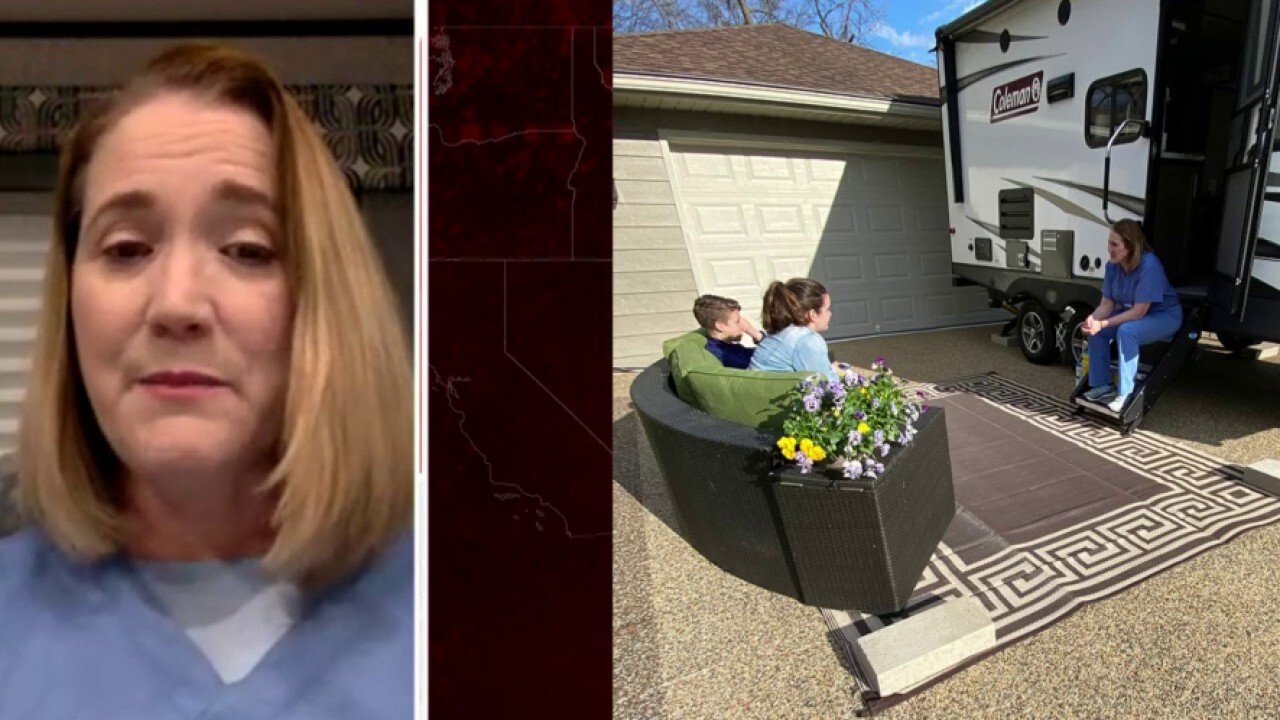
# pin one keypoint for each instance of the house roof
(775, 55)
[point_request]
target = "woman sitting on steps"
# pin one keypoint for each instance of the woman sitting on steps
(1150, 311)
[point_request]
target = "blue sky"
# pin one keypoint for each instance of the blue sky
(907, 30)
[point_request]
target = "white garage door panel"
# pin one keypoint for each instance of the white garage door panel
(873, 228)
(745, 275)
(23, 243)
(719, 220)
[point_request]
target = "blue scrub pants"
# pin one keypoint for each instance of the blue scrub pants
(1129, 336)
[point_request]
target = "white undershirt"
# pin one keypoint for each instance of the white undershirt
(230, 610)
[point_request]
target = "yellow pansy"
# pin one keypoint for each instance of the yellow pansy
(817, 453)
(806, 445)
(864, 428)
(788, 447)
(866, 391)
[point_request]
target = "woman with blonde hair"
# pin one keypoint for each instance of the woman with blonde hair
(1139, 306)
(794, 314)
(215, 453)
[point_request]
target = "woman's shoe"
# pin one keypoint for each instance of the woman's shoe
(1099, 394)
(1118, 404)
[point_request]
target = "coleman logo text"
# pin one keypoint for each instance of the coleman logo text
(1017, 97)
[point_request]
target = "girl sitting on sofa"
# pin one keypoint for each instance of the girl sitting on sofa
(794, 313)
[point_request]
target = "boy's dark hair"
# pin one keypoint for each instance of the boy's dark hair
(711, 309)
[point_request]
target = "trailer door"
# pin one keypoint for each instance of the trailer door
(1249, 150)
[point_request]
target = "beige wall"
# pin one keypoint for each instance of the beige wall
(99, 61)
(653, 284)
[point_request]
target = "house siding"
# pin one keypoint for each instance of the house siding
(653, 282)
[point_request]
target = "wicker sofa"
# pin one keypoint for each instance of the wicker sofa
(827, 542)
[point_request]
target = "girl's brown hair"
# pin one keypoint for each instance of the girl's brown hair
(1134, 239)
(344, 466)
(789, 303)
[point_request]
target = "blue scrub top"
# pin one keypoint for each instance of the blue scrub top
(83, 641)
(1145, 283)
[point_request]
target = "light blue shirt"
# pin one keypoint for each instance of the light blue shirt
(90, 641)
(794, 348)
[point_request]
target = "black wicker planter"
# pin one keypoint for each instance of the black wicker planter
(865, 543)
(825, 541)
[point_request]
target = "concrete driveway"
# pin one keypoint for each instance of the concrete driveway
(1201, 640)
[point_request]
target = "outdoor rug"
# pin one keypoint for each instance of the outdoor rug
(1056, 510)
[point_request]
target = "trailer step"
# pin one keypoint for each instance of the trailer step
(1152, 377)
(1099, 407)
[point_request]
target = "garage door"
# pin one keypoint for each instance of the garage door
(23, 241)
(868, 222)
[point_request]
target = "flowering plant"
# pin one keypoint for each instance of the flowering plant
(850, 422)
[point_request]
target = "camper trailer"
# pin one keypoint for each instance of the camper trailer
(1062, 117)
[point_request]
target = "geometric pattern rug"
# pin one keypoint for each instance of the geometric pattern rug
(1055, 510)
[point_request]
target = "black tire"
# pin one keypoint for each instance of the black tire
(1235, 343)
(1035, 333)
(1077, 343)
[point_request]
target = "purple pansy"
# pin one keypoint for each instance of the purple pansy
(852, 469)
(875, 403)
(804, 461)
(879, 436)
(855, 437)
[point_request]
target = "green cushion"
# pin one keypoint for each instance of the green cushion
(696, 338)
(750, 397)
(685, 353)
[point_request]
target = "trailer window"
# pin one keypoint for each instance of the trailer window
(1112, 100)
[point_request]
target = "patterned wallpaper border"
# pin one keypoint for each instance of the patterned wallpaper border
(369, 128)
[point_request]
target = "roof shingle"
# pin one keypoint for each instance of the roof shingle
(775, 55)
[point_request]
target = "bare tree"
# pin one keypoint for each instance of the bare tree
(846, 20)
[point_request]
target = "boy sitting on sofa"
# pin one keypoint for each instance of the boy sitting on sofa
(722, 320)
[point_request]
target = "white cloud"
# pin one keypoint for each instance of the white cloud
(902, 39)
(950, 11)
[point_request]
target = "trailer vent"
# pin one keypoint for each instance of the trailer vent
(982, 249)
(1017, 214)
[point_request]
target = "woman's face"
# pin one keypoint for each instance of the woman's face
(820, 320)
(1116, 249)
(179, 303)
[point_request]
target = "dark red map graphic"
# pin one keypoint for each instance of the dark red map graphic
(518, 299)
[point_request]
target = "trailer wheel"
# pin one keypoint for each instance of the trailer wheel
(1235, 343)
(1035, 333)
